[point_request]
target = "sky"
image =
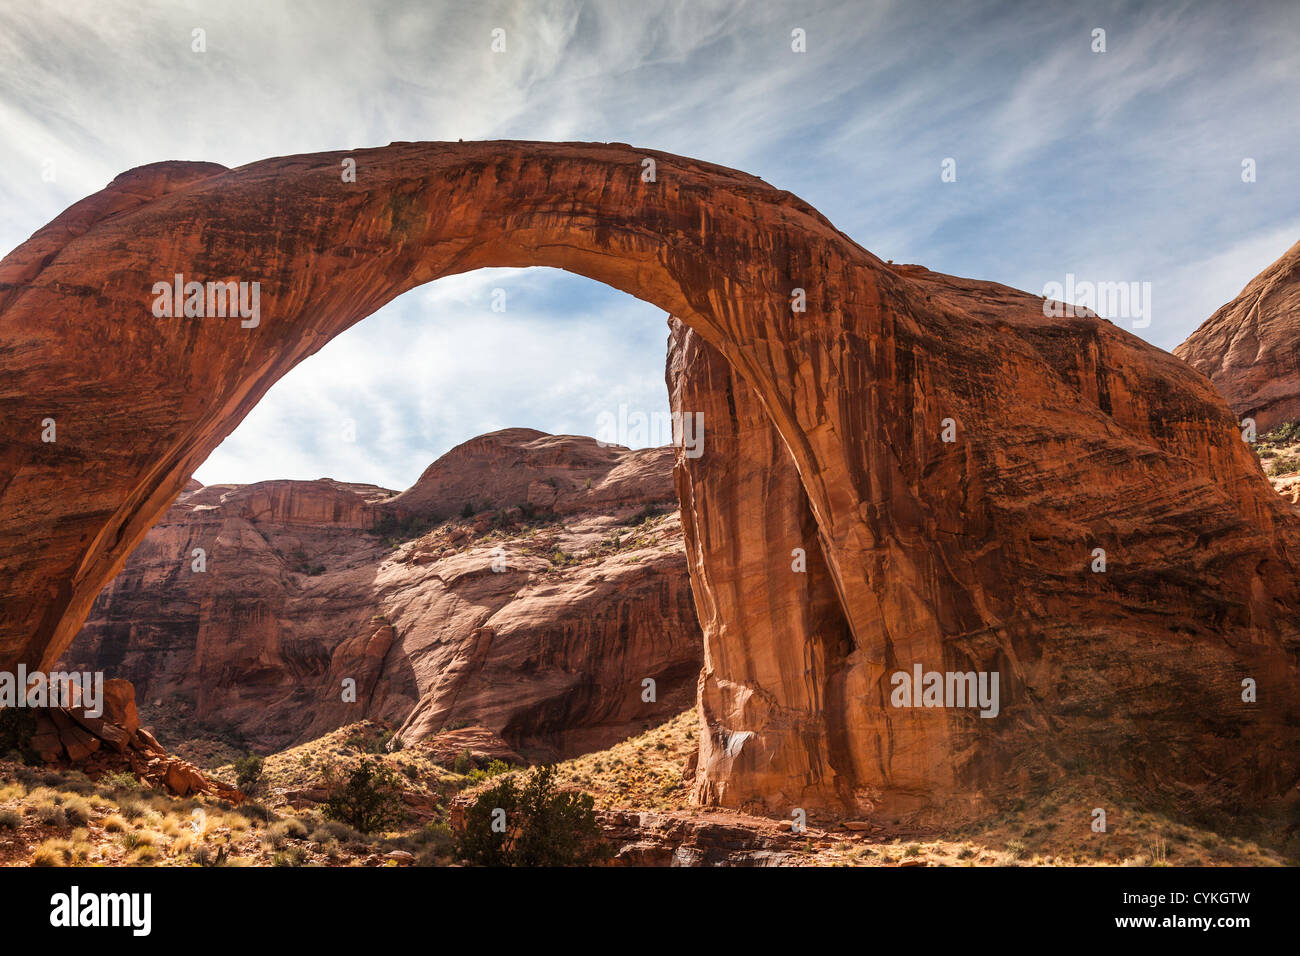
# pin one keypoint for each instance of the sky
(991, 140)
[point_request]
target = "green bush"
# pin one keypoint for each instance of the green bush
(1285, 433)
(494, 769)
(536, 825)
(1283, 466)
(248, 772)
(371, 799)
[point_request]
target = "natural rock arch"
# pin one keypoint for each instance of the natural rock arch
(964, 555)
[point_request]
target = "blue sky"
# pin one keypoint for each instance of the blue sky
(1115, 166)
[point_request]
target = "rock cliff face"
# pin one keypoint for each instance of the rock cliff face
(963, 458)
(1250, 348)
(772, 701)
(1099, 669)
(298, 595)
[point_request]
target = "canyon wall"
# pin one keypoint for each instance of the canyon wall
(1133, 672)
(1250, 348)
(297, 594)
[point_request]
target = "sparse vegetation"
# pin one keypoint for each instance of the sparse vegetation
(248, 773)
(56, 817)
(370, 800)
(533, 825)
(1279, 449)
(392, 526)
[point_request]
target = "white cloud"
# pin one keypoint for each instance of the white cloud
(437, 366)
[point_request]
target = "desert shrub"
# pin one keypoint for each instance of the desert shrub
(436, 839)
(58, 853)
(463, 763)
(256, 812)
(77, 782)
(646, 514)
(1015, 849)
(537, 825)
(10, 819)
(120, 781)
(77, 811)
(494, 769)
(134, 839)
(52, 816)
(337, 830)
(291, 828)
(1285, 433)
(248, 772)
(370, 800)
(294, 856)
(202, 855)
(1284, 466)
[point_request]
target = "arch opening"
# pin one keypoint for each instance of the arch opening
(525, 581)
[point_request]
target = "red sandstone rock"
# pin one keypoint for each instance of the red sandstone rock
(298, 597)
(69, 735)
(797, 715)
(480, 743)
(1250, 348)
(1070, 435)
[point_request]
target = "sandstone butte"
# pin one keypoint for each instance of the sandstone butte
(550, 652)
(1250, 348)
(823, 432)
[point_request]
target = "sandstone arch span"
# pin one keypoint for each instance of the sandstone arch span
(972, 554)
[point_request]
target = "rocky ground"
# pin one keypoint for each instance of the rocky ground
(641, 791)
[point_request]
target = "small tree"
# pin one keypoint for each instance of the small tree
(533, 825)
(371, 799)
(248, 773)
(463, 763)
